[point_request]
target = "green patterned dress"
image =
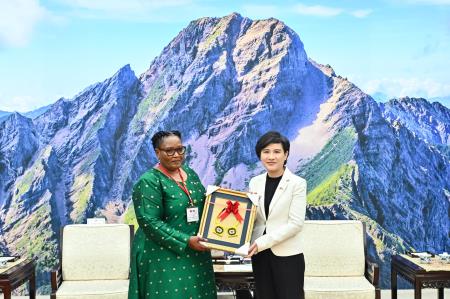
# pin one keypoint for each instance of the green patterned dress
(162, 264)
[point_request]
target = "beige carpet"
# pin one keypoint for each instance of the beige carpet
(386, 294)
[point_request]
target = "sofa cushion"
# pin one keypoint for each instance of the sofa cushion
(93, 289)
(95, 252)
(338, 287)
(333, 248)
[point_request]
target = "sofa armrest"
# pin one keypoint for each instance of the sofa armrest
(56, 279)
(372, 272)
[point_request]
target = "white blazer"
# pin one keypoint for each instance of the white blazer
(286, 214)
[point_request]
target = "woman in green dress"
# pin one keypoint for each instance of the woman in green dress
(168, 260)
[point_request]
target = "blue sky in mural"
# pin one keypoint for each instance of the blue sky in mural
(55, 48)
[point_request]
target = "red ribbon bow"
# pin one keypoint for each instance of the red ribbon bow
(231, 208)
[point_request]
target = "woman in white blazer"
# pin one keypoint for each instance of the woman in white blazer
(276, 250)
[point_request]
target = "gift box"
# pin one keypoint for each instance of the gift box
(227, 220)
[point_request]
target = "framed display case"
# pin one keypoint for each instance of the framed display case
(227, 219)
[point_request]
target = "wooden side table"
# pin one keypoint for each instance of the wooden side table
(16, 275)
(418, 276)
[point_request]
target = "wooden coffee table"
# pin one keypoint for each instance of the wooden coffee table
(17, 274)
(421, 276)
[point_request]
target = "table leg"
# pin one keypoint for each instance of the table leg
(6, 292)
(393, 283)
(32, 286)
(417, 289)
(441, 293)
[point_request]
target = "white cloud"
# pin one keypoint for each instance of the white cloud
(21, 103)
(425, 2)
(317, 10)
(137, 10)
(413, 87)
(361, 13)
(328, 11)
(18, 19)
(124, 6)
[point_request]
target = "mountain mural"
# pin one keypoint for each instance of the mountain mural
(30, 114)
(445, 100)
(223, 82)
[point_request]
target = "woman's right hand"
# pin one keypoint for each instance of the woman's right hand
(194, 243)
(252, 250)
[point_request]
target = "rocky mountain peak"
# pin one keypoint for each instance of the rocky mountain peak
(429, 121)
(123, 77)
(16, 120)
(326, 69)
(18, 143)
(16, 129)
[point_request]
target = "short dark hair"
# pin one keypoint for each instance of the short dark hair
(158, 138)
(269, 138)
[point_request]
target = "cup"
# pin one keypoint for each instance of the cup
(425, 259)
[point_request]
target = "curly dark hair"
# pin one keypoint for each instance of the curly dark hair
(158, 137)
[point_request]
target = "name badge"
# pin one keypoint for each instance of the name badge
(192, 214)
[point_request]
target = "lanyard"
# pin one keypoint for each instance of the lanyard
(182, 185)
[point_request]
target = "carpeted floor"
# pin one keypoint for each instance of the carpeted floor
(385, 294)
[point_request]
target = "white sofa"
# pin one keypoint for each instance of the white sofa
(335, 261)
(94, 262)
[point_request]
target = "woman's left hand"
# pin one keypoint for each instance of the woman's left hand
(253, 250)
(194, 243)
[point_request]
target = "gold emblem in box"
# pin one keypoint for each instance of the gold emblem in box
(227, 219)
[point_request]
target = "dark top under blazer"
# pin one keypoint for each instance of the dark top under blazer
(286, 214)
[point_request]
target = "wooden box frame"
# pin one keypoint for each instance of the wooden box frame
(215, 203)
